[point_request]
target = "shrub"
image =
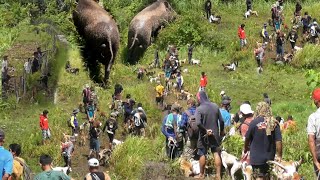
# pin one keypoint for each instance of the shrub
(308, 57)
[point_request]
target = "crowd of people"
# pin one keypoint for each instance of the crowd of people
(201, 127)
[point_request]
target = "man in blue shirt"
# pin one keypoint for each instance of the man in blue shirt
(6, 159)
(224, 110)
(264, 141)
(169, 128)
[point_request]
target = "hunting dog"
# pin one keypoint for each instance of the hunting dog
(229, 160)
(286, 169)
(249, 13)
(104, 156)
(183, 61)
(195, 62)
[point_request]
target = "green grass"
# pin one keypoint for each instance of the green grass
(217, 44)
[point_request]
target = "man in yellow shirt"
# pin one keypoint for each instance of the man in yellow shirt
(17, 172)
(160, 92)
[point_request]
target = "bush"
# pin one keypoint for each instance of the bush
(308, 57)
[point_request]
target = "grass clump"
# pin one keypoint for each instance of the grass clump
(308, 57)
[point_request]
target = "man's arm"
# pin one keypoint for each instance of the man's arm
(246, 146)
(312, 147)
(279, 149)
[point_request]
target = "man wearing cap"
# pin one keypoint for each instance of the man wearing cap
(247, 115)
(48, 173)
(111, 126)
(313, 129)
(224, 110)
(211, 128)
(6, 159)
(44, 125)
(242, 36)
(160, 93)
(169, 128)
(74, 124)
(94, 173)
(259, 53)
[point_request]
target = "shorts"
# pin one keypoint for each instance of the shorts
(204, 151)
(95, 145)
(111, 137)
(243, 42)
(260, 170)
(46, 134)
(159, 99)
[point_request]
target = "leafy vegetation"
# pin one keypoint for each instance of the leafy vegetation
(215, 44)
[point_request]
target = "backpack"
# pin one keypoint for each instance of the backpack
(192, 128)
(96, 176)
(137, 120)
(26, 170)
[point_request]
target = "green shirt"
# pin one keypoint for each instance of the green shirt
(52, 175)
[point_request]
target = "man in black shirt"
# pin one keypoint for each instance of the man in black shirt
(190, 50)
(249, 4)
(94, 173)
(207, 8)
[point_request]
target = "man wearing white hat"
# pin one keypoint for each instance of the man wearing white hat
(247, 114)
(94, 173)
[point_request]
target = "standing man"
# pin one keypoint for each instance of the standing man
(94, 173)
(48, 173)
(263, 140)
(313, 129)
(249, 4)
(86, 95)
(265, 34)
(156, 58)
(74, 124)
(187, 116)
(211, 128)
(292, 37)
(190, 51)
(280, 43)
(203, 81)
(259, 53)
(44, 125)
(266, 99)
(18, 162)
(242, 36)
(6, 159)
(224, 110)
(4, 70)
(160, 93)
(207, 8)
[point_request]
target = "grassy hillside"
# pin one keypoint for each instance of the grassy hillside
(215, 44)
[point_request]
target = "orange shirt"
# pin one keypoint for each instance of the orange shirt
(203, 81)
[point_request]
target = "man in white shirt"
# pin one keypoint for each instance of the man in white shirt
(313, 130)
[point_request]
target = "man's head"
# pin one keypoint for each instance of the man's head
(222, 93)
(191, 102)
(290, 118)
(139, 105)
(45, 161)
(5, 57)
(15, 149)
(242, 26)
(316, 97)
(225, 104)
(175, 108)
(39, 49)
(2, 136)
(246, 110)
(203, 74)
(93, 164)
(265, 95)
(128, 96)
(265, 25)
(306, 13)
(45, 113)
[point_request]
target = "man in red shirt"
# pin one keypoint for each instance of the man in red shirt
(203, 81)
(242, 36)
(44, 125)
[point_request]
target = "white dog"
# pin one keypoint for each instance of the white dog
(249, 13)
(230, 160)
(153, 79)
(65, 170)
(195, 61)
(185, 70)
(116, 142)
